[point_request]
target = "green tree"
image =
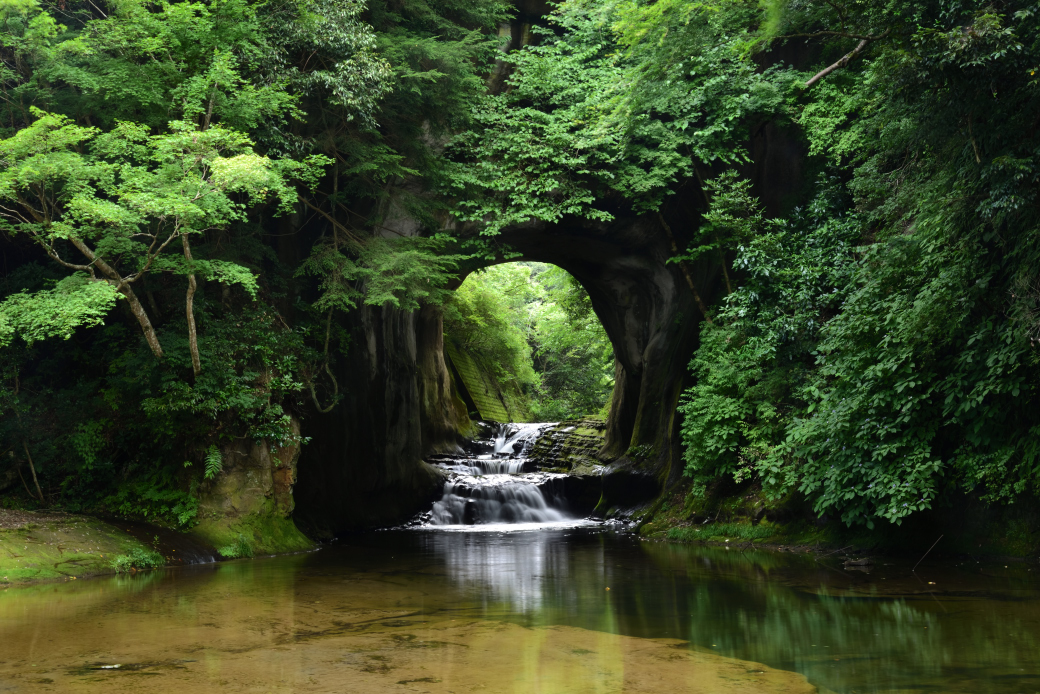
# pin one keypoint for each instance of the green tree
(121, 206)
(572, 353)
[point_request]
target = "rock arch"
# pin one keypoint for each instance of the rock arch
(364, 464)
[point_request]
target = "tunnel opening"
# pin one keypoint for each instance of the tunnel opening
(367, 463)
(523, 343)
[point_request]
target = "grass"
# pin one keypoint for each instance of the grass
(73, 547)
(240, 548)
(714, 532)
(137, 559)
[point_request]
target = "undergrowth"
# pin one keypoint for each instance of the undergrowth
(138, 559)
(743, 532)
(238, 549)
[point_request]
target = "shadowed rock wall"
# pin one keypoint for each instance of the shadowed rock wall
(363, 466)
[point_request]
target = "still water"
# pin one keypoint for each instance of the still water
(563, 609)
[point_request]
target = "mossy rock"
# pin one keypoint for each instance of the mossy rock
(253, 535)
(65, 547)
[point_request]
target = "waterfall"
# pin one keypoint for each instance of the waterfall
(494, 501)
(520, 438)
(496, 484)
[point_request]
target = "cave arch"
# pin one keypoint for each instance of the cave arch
(645, 306)
(364, 466)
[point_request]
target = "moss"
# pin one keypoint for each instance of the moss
(73, 547)
(252, 535)
(570, 446)
(495, 401)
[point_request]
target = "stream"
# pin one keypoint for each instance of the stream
(500, 588)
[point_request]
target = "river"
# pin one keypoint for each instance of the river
(547, 603)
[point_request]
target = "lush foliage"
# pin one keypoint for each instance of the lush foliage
(532, 325)
(605, 111)
(903, 368)
(572, 353)
(195, 193)
(137, 560)
(757, 357)
(876, 347)
(153, 156)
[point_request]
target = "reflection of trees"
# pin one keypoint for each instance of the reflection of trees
(784, 611)
(789, 614)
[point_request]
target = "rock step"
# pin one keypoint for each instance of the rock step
(570, 446)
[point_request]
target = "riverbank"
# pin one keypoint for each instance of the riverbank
(38, 546)
(957, 527)
(730, 514)
(42, 546)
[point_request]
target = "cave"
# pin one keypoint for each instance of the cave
(364, 464)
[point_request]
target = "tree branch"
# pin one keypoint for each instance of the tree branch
(844, 60)
(335, 384)
(843, 34)
(123, 287)
(685, 270)
(32, 469)
(331, 220)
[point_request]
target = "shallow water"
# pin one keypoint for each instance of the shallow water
(564, 609)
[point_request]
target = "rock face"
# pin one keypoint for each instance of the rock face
(651, 314)
(247, 508)
(364, 465)
(571, 446)
(592, 487)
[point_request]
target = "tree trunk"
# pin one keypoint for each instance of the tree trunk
(32, 469)
(123, 288)
(193, 340)
(142, 317)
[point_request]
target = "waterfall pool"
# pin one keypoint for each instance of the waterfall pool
(503, 588)
(577, 609)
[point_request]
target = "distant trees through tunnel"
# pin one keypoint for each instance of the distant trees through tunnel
(524, 344)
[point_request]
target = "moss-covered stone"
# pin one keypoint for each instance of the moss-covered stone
(570, 446)
(494, 401)
(260, 532)
(63, 548)
(246, 509)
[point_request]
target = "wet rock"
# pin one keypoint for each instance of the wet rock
(469, 513)
(571, 445)
(627, 488)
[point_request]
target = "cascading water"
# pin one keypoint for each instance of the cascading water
(497, 484)
(495, 499)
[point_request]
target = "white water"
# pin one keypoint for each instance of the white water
(496, 499)
(492, 488)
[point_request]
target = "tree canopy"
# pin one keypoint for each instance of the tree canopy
(193, 195)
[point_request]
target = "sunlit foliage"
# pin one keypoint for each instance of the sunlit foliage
(533, 325)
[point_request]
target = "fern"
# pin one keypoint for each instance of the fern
(214, 463)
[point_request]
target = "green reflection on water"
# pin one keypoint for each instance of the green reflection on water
(949, 627)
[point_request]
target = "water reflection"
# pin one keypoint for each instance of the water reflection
(525, 572)
(552, 611)
(891, 630)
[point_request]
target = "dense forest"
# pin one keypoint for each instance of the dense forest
(195, 195)
(536, 332)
